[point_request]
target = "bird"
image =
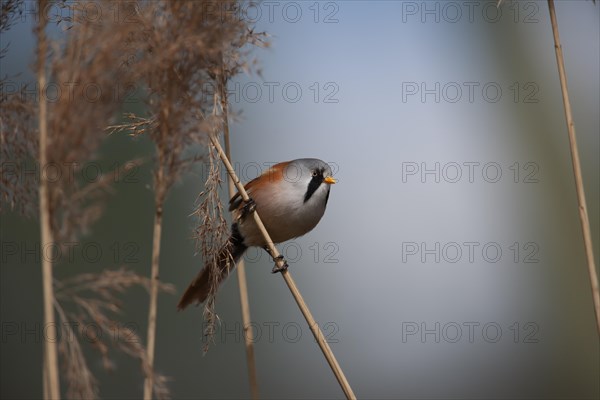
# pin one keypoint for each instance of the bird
(290, 198)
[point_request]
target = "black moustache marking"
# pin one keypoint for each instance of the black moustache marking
(314, 184)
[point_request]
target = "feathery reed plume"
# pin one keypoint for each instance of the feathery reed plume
(179, 46)
(93, 301)
(94, 55)
(18, 133)
(583, 214)
(169, 48)
(87, 54)
(211, 234)
(233, 59)
(18, 145)
(18, 148)
(9, 9)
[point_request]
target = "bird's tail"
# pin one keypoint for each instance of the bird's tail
(228, 257)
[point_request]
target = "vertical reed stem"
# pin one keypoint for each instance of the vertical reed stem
(583, 214)
(160, 192)
(241, 268)
(151, 335)
(50, 375)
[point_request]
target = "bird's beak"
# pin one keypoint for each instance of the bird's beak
(329, 180)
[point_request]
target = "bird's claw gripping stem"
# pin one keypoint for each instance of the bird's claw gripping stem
(278, 260)
(278, 268)
(248, 208)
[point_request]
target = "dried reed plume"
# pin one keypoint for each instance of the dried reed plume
(211, 234)
(70, 129)
(179, 49)
(177, 52)
(93, 301)
(18, 133)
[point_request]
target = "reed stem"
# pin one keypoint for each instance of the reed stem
(583, 214)
(241, 268)
(50, 374)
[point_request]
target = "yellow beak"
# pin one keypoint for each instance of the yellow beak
(329, 180)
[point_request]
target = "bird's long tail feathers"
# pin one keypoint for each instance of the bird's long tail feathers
(228, 257)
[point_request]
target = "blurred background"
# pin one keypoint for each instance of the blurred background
(450, 261)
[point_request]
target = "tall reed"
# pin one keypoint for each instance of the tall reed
(579, 187)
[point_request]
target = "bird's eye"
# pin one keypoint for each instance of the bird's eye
(314, 173)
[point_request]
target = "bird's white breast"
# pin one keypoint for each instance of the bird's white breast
(283, 212)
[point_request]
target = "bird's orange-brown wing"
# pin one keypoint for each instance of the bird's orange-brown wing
(270, 176)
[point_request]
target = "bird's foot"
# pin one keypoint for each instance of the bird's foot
(277, 268)
(248, 208)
